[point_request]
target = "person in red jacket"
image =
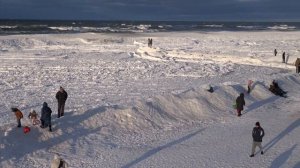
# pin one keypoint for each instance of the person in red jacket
(19, 115)
(61, 97)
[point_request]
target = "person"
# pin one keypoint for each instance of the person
(257, 134)
(33, 116)
(274, 88)
(249, 86)
(19, 115)
(46, 117)
(61, 97)
(297, 64)
(283, 57)
(275, 52)
(211, 89)
(240, 102)
(58, 162)
(151, 42)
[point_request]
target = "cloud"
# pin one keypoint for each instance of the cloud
(151, 9)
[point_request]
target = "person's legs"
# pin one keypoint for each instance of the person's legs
(260, 147)
(239, 112)
(59, 110)
(62, 109)
(19, 122)
(254, 144)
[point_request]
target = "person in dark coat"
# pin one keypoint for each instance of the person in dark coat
(257, 134)
(275, 52)
(46, 116)
(240, 102)
(283, 57)
(61, 97)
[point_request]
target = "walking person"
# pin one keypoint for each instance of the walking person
(283, 57)
(240, 102)
(61, 97)
(257, 134)
(275, 52)
(46, 117)
(19, 116)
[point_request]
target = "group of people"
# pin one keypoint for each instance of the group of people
(46, 111)
(285, 57)
(150, 40)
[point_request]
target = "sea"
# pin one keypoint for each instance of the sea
(8, 27)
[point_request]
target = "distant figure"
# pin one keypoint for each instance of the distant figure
(61, 97)
(257, 135)
(46, 117)
(211, 89)
(19, 115)
(297, 64)
(249, 86)
(287, 58)
(275, 52)
(283, 57)
(240, 102)
(58, 162)
(34, 117)
(148, 42)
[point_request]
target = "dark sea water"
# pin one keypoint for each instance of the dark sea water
(41, 27)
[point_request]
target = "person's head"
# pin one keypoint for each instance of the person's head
(242, 94)
(61, 89)
(31, 111)
(45, 104)
(14, 109)
(257, 124)
(56, 156)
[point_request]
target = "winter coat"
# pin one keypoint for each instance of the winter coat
(19, 114)
(258, 133)
(240, 102)
(46, 114)
(57, 162)
(61, 96)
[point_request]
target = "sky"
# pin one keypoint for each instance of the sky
(185, 10)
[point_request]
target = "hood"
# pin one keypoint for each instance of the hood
(242, 95)
(45, 104)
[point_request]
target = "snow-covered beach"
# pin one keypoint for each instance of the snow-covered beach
(134, 106)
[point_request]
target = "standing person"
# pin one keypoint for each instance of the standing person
(249, 86)
(46, 117)
(61, 97)
(19, 115)
(297, 64)
(283, 57)
(240, 102)
(275, 52)
(257, 134)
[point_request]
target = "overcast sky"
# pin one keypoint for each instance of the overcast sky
(199, 10)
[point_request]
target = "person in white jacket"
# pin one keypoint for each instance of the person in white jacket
(58, 162)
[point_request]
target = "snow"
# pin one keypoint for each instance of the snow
(134, 106)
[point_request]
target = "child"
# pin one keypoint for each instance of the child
(18, 114)
(34, 117)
